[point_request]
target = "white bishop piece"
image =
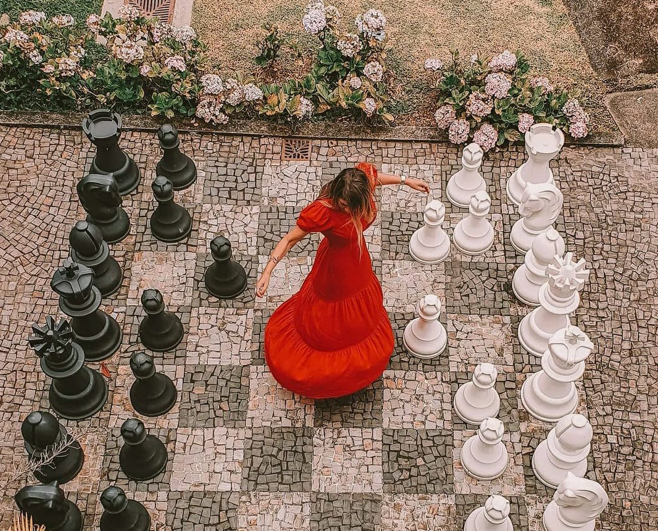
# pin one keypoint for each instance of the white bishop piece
(557, 298)
(577, 502)
(551, 393)
(478, 399)
(565, 450)
(467, 182)
(542, 143)
(494, 516)
(474, 234)
(425, 337)
(532, 274)
(484, 455)
(430, 244)
(540, 206)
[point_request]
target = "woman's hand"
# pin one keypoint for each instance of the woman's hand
(262, 284)
(417, 184)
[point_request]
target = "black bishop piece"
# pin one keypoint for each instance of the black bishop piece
(143, 456)
(174, 165)
(48, 506)
(225, 279)
(153, 393)
(122, 514)
(170, 222)
(160, 330)
(99, 196)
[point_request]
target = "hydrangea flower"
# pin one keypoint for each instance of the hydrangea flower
(444, 116)
(349, 45)
(332, 14)
(315, 19)
(212, 84)
(497, 85)
(369, 106)
(66, 66)
(94, 22)
(458, 131)
(252, 92)
(129, 12)
(184, 34)
(542, 82)
(62, 21)
(355, 83)
(433, 65)
(372, 24)
(35, 57)
(210, 111)
(504, 62)
(305, 107)
(574, 111)
(479, 104)
(2, 57)
(161, 31)
(374, 71)
(31, 17)
(48, 68)
(525, 122)
(578, 129)
(17, 37)
(145, 70)
(486, 137)
(78, 53)
(128, 52)
(236, 96)
(175, 62)
(474, 58)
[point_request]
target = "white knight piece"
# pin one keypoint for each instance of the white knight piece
(494, 516)
(425, 337)
(467, 182)
(576, 504)
(430, 244)
(540, 206)
(474, 234)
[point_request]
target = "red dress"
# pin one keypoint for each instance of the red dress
(333, 337)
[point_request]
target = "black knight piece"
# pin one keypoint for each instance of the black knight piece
(47, 506)
(159, 331)
(152, 394)
(103, 129)
(225, 279)
(96, 332)
(143, 456)
(170, 222)
(174, 165)
(122, 514)
(99, 196)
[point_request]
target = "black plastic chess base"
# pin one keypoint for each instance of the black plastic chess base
(171, 232)
(155, 397)
(127, 178)
(134, 518)
(109, 282)
(64, 468)
(159, 341)
(181, 179)
(81, 406)
(114, 231)
(145, 469)
(226, 289)
(104, 344)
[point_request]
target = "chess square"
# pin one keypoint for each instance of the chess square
(402, 359)
(478, 339)
(291, 184)
(261, 316)
(275, 222)
(202, 511)
(405, 199)
(201, 296)
(477, 288)
(274, 511)
(146, 241)
(238, 223)
(495, 254)
(220, 336)
(286, 280)
(171, 273)
(345, 510)
(396, 231)
(405, 282)
(362, 409)
(93, 442)
(123, 252)
(465, 504)
(535, 507)
(418, 512)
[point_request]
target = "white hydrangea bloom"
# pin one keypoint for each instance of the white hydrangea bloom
(369, 106)
(252, 92)
(374, 71)
(63, 21)
(31, 17)
(175, 62)
(212, 84)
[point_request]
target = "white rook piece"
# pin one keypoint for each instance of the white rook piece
(540, 207)
(474, 234)
(425, 337)
(551, 393)
(565, 450)
(430, 244)
(557, 299)
(478, 399)
(484, 455)
(532, 274)
(494, 516)
(577, 502)
(542, 143)
(467, 182)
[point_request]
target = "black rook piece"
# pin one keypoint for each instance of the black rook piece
(77, 392)
(89, 249)
(43, 434)
(97, 333)
(103, 129)
(48, 506)
(174, 165)
(152, 394)
(122, 514)
(99, 196)
(143, 456)
(170, 222)
(159, 331)
(225, 279)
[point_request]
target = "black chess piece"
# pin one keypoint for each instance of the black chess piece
(99, 196)
(225, 279)
(122, 514)
(174, 165)
(96, 332)
(47, 506)
(170, 222)
(160, 330)
(77, 392)
(143, 456)
(153, 393)
(103, 129)
(89, 249)
(44, 436)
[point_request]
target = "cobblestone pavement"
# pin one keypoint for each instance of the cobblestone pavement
(245, 453)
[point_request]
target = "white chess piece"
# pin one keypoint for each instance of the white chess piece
(540, 206)
(494, 516)
(478, 399)
(484, 455)
(542, 143)
(430, 244)
(557, 299)
(577, 502)
(467, 182)
(532, 274)
(565, 450)
(551, 393)
(425, 337)
(474, 234)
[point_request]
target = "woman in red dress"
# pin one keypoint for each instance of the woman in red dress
(333, 337)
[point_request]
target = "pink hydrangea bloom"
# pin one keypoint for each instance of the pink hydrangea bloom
(175, 62)
(374, 71)
(542, 82)
(458, 131)
(525, 122)
(369, 106)
(504, 62)
(444, 116)
(479, 104)
(486, 137)
(498, 85)
(433, 65)
(578, 129)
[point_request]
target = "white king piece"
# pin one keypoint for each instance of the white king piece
(577, 502)
(430, 244)
(467, 182)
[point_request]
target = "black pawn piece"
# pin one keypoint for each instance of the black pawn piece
(77, 392)
(47, 506)
(45, 437)
(122, 514)
(99, 196)
(174, 165)
(153, 393)
(225, 279)
(170, 222)
(143, 456)
(89, 249)
(159, 331)
(103, 129)
(96, 332)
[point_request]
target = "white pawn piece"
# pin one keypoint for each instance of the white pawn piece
(430, 244)
(565, 450)
(577, 502)
(550, 394)
(467, 182)
(542, 143)
(557, 299)
(540, 207)
(532, 274)
(474, 234)
(477, 399)
(425, 337)
(494, 516)
(484, 455)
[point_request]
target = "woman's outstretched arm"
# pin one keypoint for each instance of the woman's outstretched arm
(385, 179)
(280, 250)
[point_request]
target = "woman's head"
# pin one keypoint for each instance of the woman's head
(351, 193)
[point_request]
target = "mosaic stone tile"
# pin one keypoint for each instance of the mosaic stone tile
(418, 512)
(362, 409)
(261, 316)
(171, 273)
(200, 511)
(354, 511)
(290, 184)
(476, 288)
(404, 198)
(396, 231)
(220, 336)
(268, 511)
(405, 282)
(286, 280)
(237, 223)
(274, 223)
